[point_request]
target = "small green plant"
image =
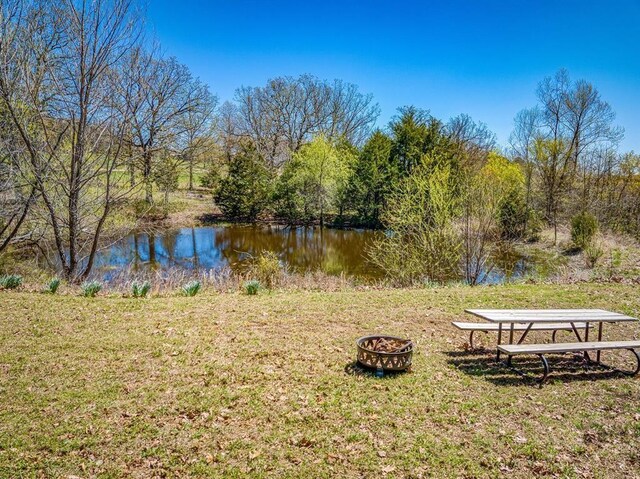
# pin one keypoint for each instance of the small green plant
(10, 281)
(267, 268)
(52, 286)
(615, 261)
(592, 254)
(140, 290)
(584, 227)
(191, 288)
(252, 287)
(91, 288)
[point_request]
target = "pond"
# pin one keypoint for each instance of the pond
(301, 249)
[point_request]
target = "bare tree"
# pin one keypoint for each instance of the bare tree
(526, 125)
(352, 114)
(571, 120)
(59, 69)
(197, 126)
(163, 95)
(288, 112)
(227, 130)
(474, 139)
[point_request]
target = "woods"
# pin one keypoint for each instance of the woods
(93, 116)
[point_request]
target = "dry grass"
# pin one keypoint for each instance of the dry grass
(264, 386)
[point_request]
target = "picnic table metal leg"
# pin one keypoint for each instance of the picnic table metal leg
(545, 364)
(499, 341)
(510, 341)
(575, 330)
(637, 370)
(526, 331)
(586, 338)
(599, 339)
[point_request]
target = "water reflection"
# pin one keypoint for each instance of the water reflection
(302, 249)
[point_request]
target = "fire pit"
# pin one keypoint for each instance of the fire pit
(386, 353)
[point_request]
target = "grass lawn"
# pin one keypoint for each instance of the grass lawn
(238, 386)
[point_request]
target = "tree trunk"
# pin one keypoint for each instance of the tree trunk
(12, 233)
(132, 173)
(146, 175)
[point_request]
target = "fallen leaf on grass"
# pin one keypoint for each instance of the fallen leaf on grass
(520, 439)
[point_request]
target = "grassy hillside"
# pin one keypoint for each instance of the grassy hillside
(238, 386)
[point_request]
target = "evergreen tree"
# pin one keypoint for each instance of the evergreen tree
(374, 177)
(244, 193)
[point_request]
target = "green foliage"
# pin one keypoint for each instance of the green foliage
(52, 286)
(211, 179)
(244, 193)
(374, 178)
(313, 181)
(267, 269)
(418, 139)
(615, 261)
(534, 226)
(584, 227)
(252, 287)
(485, 195)
(166, 174)
(423, 243)
(513, 215)
(10, 281)
(91, 288)
(592, 254)
(140, 290)
(191, 288)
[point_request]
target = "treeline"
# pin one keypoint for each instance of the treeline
(93, 115)
(565, 147)
(445, 192)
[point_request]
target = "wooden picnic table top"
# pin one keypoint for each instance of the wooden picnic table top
(549, 315)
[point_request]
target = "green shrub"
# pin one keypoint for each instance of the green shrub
(584, 227)
(267, 268)
(52, 286)
(91, 288)
(512, 216)
(140, 290)
(592, 253)
(210, 179)
(534, 226)
(615, 261)
(10, 281)
(423, 242)
(191, 288)
(252, 287)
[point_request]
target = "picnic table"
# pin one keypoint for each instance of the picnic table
(577, 319)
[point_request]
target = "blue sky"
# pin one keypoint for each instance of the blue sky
(482, 57)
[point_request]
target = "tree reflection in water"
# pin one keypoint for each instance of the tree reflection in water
(302, 249)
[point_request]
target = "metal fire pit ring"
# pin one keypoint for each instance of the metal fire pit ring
(395, 361)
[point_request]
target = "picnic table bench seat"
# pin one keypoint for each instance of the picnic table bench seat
(542, 349)
(487, 327)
